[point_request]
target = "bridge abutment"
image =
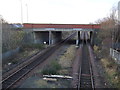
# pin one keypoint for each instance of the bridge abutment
(52, 33)
(50, 37)
(91, 37)
(78, 37)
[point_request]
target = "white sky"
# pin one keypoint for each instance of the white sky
(56, 11)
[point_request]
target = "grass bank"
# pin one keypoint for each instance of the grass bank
(112, 69)
(25, 51)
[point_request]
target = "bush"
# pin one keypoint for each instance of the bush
(11, 39)
(52, 68)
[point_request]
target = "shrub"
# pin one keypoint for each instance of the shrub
(52, 68)
(11, 39)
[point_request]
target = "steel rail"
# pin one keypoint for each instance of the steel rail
(84, 78)
(91, 72)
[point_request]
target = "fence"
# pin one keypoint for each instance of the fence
(115, 55)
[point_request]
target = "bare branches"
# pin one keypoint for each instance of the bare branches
(109, 27)
(11, 39)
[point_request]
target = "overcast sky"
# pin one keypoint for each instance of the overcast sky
(56, 11)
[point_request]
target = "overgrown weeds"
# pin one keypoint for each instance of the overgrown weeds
(112, 69)
(112, 72)
(52, 68)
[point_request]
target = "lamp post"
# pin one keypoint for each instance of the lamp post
(21, 12)
(119, 11)
(27, 12)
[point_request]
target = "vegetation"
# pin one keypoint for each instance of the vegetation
(108, 35)
(66, 59)
(63, 65)
(112, 72)
(109, 32)
(11, 39)
(52, 68)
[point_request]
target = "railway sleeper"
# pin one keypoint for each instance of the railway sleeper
(86, 86)
(84, 80)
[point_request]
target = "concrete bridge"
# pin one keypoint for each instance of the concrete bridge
(52, 33)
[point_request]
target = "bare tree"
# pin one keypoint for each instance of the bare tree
(11, 39)
(109, 26)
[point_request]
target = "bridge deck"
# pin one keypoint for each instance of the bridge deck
(61, 26)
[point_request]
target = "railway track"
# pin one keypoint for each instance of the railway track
(20, 73)
(85, 78)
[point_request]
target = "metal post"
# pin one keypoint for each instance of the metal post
(27, 12)
(119, 11)
(34, 37)
(21, 13)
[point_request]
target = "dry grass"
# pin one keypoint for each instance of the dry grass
(111, 70)
(64, 71)
(65, 62)
(96, 48)
(66, 59)
(46, 84)
(41, 83)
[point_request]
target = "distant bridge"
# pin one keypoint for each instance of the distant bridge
(51, 33)
(60, 27)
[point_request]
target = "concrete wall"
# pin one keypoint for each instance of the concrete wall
(56, 37)
(50, 37)
(29, 36)
(78, 41)
(41, 37)
(91, 37)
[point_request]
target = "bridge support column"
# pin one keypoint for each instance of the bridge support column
(77, 39)
(92, 36)
(50, 37)
(34, 37)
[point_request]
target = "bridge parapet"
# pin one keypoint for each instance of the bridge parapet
(63, 27)
(60, 29)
